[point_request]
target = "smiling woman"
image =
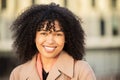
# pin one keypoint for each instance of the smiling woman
(49, 41)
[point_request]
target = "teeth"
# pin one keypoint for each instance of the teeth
(49, 49)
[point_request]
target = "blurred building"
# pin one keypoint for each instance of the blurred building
(101, 22)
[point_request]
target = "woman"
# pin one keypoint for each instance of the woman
(49, 40)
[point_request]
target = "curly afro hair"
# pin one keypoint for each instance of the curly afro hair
(31, 20)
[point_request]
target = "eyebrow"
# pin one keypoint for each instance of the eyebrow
(54, 31)
(58, 30)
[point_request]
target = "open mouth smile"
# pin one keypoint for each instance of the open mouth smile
(49, 48)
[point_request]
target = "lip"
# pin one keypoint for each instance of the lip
(49, 49)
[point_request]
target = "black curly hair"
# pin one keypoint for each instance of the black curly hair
(31, 20)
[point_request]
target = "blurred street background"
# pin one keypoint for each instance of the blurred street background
(100, 20)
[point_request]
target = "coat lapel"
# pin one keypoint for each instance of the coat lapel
(31, 71)
(53, 74)
(64, 65)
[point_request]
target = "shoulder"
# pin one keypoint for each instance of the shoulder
(25, 66)
(23, 70)
(82, 64)
(84, 71)
(18, 70)
(21, 67)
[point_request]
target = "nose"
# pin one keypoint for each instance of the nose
(50, 39)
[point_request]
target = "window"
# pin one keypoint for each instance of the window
(65, 3)
(115, 31)
(33, 1)
(102, 27)
(93, 3)
(115, 24)
(113, 2)
(3, 4)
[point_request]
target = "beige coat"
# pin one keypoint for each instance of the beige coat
(66, 68)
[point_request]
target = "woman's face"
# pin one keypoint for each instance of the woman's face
(50, 43)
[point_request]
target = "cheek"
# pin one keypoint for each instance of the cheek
(60, 41)
(39, 40)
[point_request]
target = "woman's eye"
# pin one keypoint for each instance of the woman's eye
(43, 34)
(59, 34)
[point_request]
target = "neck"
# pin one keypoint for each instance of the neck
(47, 63)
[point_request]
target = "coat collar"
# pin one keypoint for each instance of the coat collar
(64, 65)
(31, 71)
